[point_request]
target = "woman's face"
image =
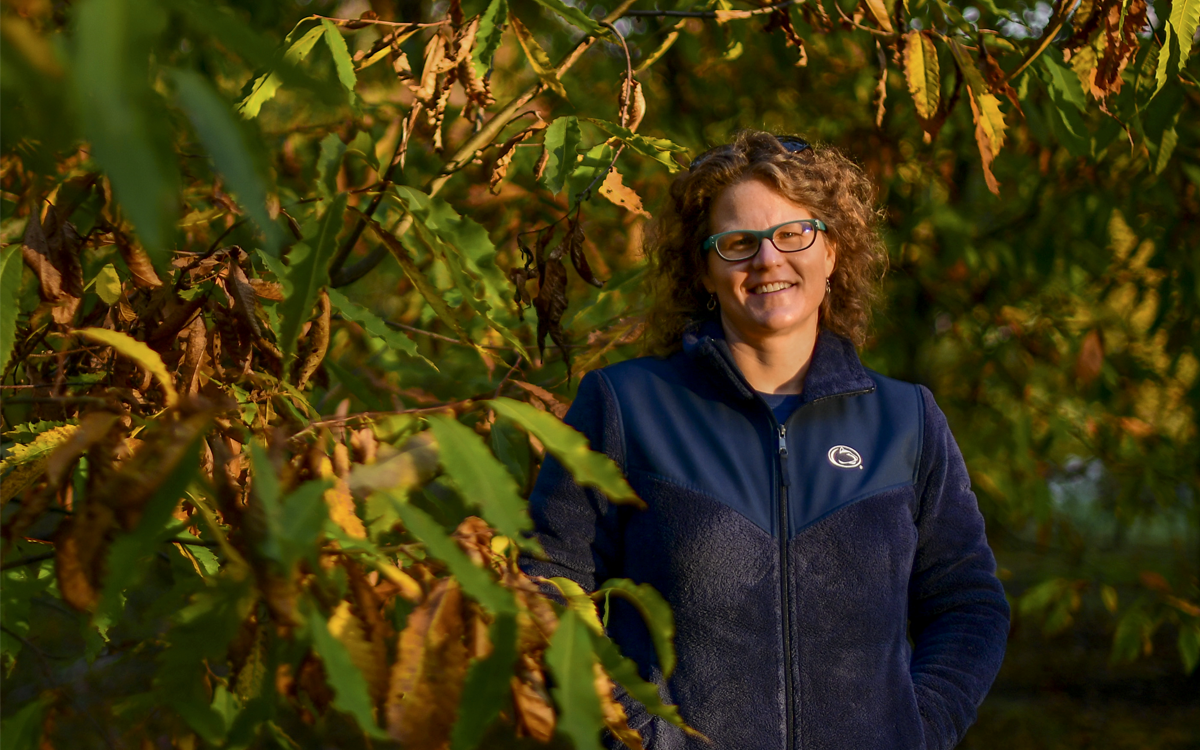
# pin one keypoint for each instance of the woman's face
(772, 294)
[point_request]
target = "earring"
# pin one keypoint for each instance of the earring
(712, 302)
(828, 288)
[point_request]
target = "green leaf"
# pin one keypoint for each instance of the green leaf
(375, 326)
(590, 172)
(124, 118)
(579, 601)
(349, 686)
(537, 58)
(483, 481)
(1178, 33)
(130, 347)
(660, 621)
(107, 284)
(658, 149)
(328, 163)
(308, 272)
(1189, 645)
(487, 689)
(1063, 82)
(364, 148)
(341, 60)
(487, 36)
(562, 145)
(571, 447)
(570, 658)
(419, 280)
(11, 265)
(293, 523)
(476, 583)
(574, 16)
(625, 671)
(266, 85)
(222, 137)
(22, 730)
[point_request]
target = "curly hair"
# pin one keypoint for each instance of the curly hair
(821, 179)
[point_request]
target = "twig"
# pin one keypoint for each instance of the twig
(1048, 35)
(379, 22)
(368, 415)
(847, 19)
(56, 399)
(507, 375)
(28, 561)
(705, 13)
(431, 334)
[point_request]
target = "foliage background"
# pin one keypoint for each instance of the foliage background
(1044, 231)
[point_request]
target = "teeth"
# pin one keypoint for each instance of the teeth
(773, 287)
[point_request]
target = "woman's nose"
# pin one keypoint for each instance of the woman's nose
(768, 254)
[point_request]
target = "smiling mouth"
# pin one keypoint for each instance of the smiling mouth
(775, 286)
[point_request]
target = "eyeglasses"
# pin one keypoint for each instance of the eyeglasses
(793, 143)
(788, 237)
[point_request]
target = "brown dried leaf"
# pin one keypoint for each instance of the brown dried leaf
(578, 259)
(1122, 23)
(431, 664)
(271, 290)
(193, 357)
(138, 263)
(781, 19)
(539, 169)
(239, 289)
(505, 156)
(535, 717)
(1091, 358)
(556, 405)
(637, 107)
(318, 337)
(614, 189)
(550, 304)
(36, 252)
(615, 719)
(71, 571)
(93, 428)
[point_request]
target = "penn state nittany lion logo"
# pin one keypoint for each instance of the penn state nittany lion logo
(845, 457)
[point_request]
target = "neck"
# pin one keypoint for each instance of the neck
(774, 364)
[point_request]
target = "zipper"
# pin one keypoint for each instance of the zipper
(785, 598)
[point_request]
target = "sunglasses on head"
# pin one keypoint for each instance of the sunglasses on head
(793, 143)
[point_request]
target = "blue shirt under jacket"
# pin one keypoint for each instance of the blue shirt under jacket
(798, 558)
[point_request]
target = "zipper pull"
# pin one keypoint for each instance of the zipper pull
(783, 453)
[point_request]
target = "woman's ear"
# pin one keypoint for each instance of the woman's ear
(830, 256)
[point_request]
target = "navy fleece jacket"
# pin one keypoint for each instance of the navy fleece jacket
(799, 559)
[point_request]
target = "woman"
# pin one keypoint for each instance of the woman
(805, 516)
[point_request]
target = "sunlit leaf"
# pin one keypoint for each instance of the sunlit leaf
(341, 59)
(298, 45)
(347, 680)
(570, 657)
(483, 480)
(571, 448)
(11, 265)
(658, 149)
(127, 346)
(660, 621)
(476, 582)
(538, 60)
(487, 38)
(375, 326)
(922, 73)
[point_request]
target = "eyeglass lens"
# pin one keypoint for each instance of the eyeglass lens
(789, 238)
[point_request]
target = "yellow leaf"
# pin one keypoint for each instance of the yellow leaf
(25, 463)
(725, 16)
(922, 73)
(617, 192)
(879, 12)
(369, 657)
(431, 664)
(537, 57)
(341, 503)
(138, 352)
(985, 109)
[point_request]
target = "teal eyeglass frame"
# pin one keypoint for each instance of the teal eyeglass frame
(764, 234)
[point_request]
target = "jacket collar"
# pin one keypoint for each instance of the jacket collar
(835, 369)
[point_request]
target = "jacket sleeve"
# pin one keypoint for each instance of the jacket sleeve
(577, 526)
(957, 610)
